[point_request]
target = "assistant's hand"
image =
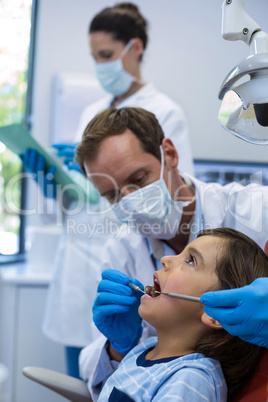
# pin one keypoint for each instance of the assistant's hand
(115, 310)
(67, 151)
(34, 163)
(242, 312)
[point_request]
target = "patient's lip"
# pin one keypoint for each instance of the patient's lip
(153, 290)
(157, 282)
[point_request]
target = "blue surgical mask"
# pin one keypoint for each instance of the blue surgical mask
(112, 76)
(150, 211)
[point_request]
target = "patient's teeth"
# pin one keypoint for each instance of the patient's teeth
(150, 290)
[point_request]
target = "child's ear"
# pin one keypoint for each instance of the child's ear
(210, 322)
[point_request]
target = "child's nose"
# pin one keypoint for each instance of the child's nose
(166, 263)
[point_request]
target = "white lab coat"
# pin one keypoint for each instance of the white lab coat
(233, 205)
(79, 258)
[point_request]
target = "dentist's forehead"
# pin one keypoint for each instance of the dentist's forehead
(118, 157)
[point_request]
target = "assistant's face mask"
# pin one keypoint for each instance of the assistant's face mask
(112, 76)
(150, 211)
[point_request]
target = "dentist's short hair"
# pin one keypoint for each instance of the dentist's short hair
(143, 124)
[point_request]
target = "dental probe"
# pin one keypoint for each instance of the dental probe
(178, 296)
(135, 287)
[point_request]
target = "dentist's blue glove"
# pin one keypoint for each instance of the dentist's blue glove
(34, 163)
(242, 312)
(67, 151)
(115, 310)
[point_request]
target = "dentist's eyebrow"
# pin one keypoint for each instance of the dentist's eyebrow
(196, 253)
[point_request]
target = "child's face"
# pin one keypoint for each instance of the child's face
(190, 273)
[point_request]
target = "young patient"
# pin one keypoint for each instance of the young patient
(182, 362)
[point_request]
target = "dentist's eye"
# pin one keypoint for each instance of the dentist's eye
(113, 197)
(190, 261)
(106, 55)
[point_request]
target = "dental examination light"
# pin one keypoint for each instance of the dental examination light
(244, 107)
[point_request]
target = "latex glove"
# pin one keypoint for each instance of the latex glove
(34, 163)
(67, 151)
(115, 310)
(242, 312)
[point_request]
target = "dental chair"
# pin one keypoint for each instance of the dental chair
(71, 388)
(255, 390)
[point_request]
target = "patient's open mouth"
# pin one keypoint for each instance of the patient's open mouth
(153, 290)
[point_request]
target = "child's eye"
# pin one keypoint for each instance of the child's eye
(190, 260)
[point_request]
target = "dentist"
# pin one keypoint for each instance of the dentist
(120, 153)
(118, 39)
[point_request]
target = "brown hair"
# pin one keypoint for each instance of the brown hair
(123, 21)
(142, 123)
(240, 263)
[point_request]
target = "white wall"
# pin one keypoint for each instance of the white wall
(186, 58)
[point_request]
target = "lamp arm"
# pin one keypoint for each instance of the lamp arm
(236, 23)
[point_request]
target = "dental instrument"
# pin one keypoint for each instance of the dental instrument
(179, 296)
(135, 287)
(151, 291)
